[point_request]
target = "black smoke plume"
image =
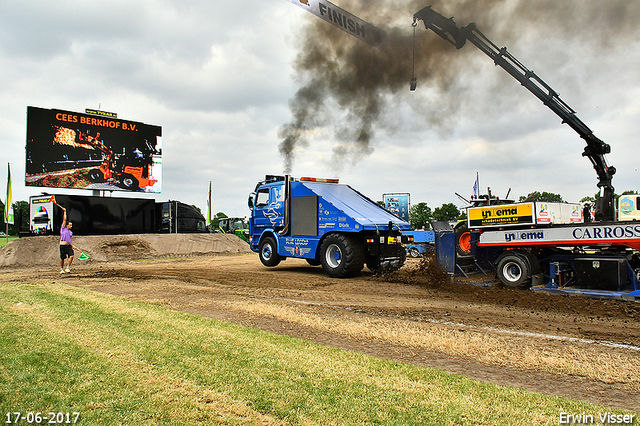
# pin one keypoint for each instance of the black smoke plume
(348, 85)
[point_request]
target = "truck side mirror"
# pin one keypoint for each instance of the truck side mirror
(250, 200)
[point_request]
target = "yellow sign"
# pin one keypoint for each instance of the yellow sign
(102, 113)
(501, 215)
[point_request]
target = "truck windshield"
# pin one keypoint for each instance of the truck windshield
(262, 198)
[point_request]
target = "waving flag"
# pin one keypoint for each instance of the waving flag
(476, 185)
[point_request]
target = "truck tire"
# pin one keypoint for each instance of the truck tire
(268, 252)
(130, 182)
(514, 271)
(341, 256)
(96, 175)
(402, 254)
(414, 252)
(463, 239)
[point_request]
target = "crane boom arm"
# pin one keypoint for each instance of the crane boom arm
(595, 150)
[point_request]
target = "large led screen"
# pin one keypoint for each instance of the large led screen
(82, 151)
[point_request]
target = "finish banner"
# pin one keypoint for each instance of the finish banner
(344, 20)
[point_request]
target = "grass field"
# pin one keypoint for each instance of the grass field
(113, 361)
(3, 239)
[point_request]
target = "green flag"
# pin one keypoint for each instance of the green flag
(8, 211)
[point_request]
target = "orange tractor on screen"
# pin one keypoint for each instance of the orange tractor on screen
(129, 171)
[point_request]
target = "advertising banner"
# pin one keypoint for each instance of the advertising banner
(344, 20)
(628, 207)
(398, 204)
(511, 214)
(41, 215)
(83, 151)
(540, 213)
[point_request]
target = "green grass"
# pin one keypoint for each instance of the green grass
(114, 361)
(3, 240)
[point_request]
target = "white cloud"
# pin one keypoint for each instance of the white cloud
(218, 76)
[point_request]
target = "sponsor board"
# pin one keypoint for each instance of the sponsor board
(41, 215)
(628, 207)
(398, 204)
(510, 214)
(536, 213)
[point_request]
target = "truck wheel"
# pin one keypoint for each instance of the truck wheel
(268, 252)
(514, 271)
(463, 239)
(402, 254)
(130, 182)
(414, 252)
(95, 175)
(341, 256)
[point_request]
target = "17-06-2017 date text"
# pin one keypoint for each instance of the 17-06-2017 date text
(37, 417)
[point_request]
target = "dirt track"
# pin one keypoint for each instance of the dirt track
(557, 345)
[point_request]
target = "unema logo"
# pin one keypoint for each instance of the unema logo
(523, 235)
(507, 211)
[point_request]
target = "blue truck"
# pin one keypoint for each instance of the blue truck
(326, 223)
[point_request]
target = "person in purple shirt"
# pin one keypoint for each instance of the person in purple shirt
(66, 248)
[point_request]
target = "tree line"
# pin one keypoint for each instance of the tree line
(20, 217)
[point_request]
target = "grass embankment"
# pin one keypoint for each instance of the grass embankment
(115, 361)
(3, 239)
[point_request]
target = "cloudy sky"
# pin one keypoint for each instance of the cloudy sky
(227, 82)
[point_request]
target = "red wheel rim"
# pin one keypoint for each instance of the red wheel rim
(465, 242)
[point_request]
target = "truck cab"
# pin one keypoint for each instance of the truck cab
(326, 223)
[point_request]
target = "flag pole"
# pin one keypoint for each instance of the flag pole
(8, 204)
(209, 206)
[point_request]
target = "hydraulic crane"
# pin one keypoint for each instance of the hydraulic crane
(595, 149)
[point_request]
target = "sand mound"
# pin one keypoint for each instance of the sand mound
(35, 251)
